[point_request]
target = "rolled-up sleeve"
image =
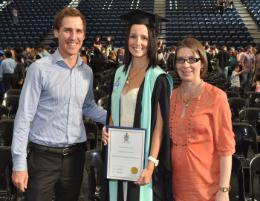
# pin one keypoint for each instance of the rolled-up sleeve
(223, 133)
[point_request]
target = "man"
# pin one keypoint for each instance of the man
(240, 54)
(223, 60)
(171, 58)
(42, 52)
(15, 16)
(248, 65)
(7, 67)
(57, 90)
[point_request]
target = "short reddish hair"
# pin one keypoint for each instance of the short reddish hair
(196, 47)
(68, 12)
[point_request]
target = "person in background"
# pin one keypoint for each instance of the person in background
(171, 58)
(84, 56)
(248, 64)
(140, 99)
(97, 42)
(231, 4)
(108, 45)
(257, 61)
(15, 16)
(160, 54)
(120, 57)
(232, 62)
(223, 59)
(42, 52)
(19, 73)
(257, 83)
(240, 52)
(213, 52)
(200, 129)
(7, 66)
(1, 56)
(56, 93)
(97, 61)
(111, 64)
(235, 78)
(2, 87)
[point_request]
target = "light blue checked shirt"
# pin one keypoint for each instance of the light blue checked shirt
(7, 66)
(52, 102)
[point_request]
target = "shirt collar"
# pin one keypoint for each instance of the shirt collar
(58, 59)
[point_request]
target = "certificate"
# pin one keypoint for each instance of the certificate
(125, 157)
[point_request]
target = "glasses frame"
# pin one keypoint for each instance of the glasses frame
(190, 60)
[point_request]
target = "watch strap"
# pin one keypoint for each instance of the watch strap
(154, 160)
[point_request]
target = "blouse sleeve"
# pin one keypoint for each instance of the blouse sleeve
(222, 123)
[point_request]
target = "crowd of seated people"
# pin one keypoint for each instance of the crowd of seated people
(240, 66)
(224, 61)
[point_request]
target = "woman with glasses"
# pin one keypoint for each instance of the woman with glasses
(200, 130)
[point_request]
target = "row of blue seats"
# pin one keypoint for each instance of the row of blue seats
(253, 8)
(203, 19)
(219, 43)
(34, 21)
(104, 20)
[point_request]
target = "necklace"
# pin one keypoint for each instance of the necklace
(196, 91)
(135, 75)
(175, 121)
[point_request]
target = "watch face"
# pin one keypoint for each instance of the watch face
(224, 189)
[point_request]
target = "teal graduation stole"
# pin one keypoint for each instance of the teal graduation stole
(146, 191)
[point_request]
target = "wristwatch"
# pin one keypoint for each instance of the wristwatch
(224, 189)
(154, 160)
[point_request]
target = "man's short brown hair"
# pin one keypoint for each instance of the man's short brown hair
(68, 12)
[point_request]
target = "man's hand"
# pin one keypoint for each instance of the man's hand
(20, 179)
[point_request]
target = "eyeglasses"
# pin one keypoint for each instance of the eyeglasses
(190, 60)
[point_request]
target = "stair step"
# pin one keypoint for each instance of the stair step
(244, 15)
(252, 27)
(255, 35)
(255, 31)
(250, 24)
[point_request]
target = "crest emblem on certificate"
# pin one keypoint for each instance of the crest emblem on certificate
(126, 138)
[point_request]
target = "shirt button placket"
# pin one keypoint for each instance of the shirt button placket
(71, 94)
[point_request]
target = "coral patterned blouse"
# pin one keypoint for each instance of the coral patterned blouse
(199, 138)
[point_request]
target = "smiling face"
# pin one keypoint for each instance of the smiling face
(138, 41)
(189, 72)
(70, 35)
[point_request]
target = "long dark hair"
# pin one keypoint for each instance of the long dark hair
(152, 48)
